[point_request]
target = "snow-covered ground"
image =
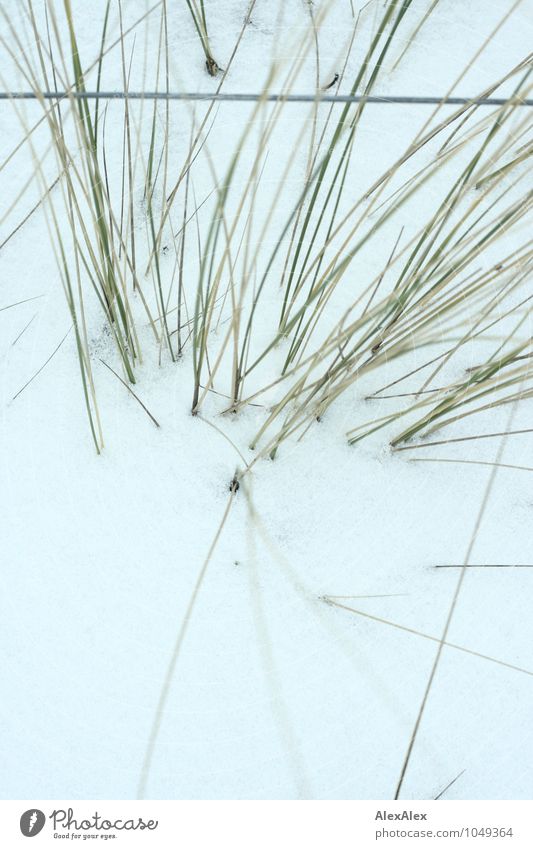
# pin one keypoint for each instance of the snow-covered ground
(276, 693)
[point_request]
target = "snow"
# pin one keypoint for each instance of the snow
(276, 694)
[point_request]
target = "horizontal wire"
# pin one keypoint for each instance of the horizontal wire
(484, 566)
(254, 98)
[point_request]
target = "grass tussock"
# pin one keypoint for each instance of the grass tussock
(288, 297)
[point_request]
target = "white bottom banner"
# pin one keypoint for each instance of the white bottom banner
(267, 825)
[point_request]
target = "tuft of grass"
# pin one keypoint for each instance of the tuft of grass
(276, 298)
(197, 10)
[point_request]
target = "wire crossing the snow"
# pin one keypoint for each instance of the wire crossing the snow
(267, 98)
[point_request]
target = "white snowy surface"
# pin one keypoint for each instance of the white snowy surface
(276, 694)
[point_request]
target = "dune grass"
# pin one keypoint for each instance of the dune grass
(198, 15)
(268, 295)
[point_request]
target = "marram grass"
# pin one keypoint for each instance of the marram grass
(455, 281)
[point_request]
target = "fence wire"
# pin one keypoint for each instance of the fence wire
(267, 98)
